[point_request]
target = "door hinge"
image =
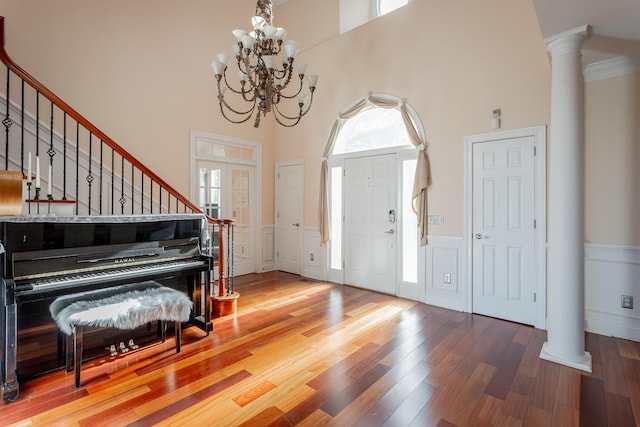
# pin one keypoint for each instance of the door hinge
(278, 215)
(535, 151)
(343, 217)
(277, 254)
(278, 175)
(534, 297)
(535, 223)
(343, 264)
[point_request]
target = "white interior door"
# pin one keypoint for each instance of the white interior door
(370, 187)
(503, 229)
(224, 193)
(289, 211)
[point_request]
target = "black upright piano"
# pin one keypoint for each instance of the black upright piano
(44, 257)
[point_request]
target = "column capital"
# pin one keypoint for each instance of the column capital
(568, 42)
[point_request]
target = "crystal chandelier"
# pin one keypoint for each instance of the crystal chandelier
(265, 69)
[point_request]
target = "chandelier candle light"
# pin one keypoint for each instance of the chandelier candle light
(265, 69)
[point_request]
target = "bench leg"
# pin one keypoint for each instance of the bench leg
(163, 330)
(77, 351)
(68, 353)
(178, 335)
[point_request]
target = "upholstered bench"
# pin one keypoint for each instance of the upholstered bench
(121, 307)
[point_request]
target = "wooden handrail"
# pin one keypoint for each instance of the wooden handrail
(42, 89)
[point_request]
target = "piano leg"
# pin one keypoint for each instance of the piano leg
(10, 387)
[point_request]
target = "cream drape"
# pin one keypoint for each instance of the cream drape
(422, 179)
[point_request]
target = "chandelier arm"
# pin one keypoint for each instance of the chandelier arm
(240, 113)
(300, 114)
(236, 121)
(295, 94)
(281, 123)
(239, 92)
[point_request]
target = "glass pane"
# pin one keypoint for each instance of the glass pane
(386, 6)
(372, 129)
(203, 148)
(335, 218)
(409, 225)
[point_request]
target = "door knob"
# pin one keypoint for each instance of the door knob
(392, 231)
(480, 236)
(297, 224)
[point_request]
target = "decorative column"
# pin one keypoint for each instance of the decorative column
(565, 280)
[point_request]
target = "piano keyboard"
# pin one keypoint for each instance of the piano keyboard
(134, 272)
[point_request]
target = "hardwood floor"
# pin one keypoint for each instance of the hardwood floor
(301, 352)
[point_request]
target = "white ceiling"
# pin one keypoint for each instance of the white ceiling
(615, 25)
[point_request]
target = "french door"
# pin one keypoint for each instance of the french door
(224, 191)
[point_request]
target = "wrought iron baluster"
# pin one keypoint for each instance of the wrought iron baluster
(37, 123)
(64, 156)
(132, 190)
(151, 197)
(142, 193)
(101, 176)
(89, 175)
(77, 167)
(113, 178)
(122, 199)
(7, 124)
(51, 151)
(22, 121)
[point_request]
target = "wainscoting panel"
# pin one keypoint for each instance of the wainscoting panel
(314, 261)
(268, 261)
(610, 272)
(444, 273)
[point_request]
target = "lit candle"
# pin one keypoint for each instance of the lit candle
(29, 169)
(49, 181)
(37, 172)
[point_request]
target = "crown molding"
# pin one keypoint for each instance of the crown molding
(610, 68)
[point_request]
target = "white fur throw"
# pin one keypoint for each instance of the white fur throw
(121, 307)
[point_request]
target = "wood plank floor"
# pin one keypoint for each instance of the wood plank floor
(302, 352)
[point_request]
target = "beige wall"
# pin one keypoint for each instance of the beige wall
(140, 71)
(612, 196)
(453, 61)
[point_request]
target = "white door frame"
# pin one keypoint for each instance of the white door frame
(539, 134)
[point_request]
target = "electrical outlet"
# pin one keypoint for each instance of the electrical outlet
(311, 257)
(627, 301)
(447, 278)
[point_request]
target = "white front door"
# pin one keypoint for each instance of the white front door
(370, 187)
(224, 193)
(289, 211)
(503, 229)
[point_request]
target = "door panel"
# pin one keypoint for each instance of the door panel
(289, 211)
(370, 233)
(503, 229)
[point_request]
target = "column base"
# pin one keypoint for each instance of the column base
(583, 363)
